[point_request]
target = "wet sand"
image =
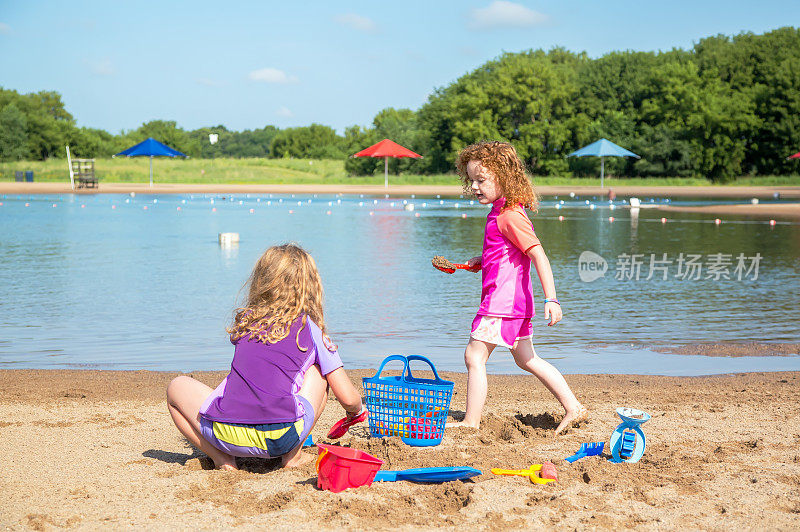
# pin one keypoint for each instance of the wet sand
(761, 192)
(97, 450)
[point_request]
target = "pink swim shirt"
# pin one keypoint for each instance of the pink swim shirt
(506, 269)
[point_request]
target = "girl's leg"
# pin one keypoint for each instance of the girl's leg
(526, 358)
(185, 396)
(315, 390)
(475, 356)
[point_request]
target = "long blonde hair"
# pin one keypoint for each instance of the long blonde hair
(501, 158)
(284, 284)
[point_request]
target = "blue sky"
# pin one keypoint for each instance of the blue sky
(249, 64)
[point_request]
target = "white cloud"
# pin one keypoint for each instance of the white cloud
(271, 75)
(503, 14)
(284, 112)
(5, 29)
(356, 22)
(102, 67)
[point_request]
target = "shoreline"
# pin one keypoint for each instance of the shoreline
(739, 192)
(97, 449)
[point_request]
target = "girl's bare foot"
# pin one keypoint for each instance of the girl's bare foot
(228, 467)
(573, 417)
(298, 460)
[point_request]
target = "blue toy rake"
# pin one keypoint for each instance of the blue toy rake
(587, 449)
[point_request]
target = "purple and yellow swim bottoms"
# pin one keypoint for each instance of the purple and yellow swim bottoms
(267, 440)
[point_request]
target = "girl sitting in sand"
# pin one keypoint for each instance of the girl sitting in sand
(282, 366)
(495, 175)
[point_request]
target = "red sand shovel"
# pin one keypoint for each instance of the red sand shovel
(341, 427)
(444, 265)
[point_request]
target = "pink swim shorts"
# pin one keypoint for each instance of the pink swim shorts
(501, 331)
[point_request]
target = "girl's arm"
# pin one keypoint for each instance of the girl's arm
(542, 264)
(345, 392)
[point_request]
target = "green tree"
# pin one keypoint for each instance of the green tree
(315, 141)
(13, 133)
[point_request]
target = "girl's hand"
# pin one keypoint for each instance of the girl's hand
(351, 415)
(552, 311)
(474, 261)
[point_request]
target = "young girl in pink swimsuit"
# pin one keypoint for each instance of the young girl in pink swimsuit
(493, 172)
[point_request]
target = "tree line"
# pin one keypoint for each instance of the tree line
(729, 106)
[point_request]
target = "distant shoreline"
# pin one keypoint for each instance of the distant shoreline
(739, 192)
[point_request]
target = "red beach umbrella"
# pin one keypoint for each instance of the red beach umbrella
(387, 148)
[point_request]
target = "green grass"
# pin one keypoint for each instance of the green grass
(305, 171)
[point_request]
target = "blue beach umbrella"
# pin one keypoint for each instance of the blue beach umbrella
(150, 147)
(602, 148)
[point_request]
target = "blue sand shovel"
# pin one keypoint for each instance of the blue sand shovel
(309, 442)
(587, 449)
(428, 474)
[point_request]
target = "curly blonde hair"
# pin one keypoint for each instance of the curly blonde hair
(502, 160)
(284, 284)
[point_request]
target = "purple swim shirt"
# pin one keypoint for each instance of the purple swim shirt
(264, 380)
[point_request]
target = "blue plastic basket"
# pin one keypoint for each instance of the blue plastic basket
(412, 408)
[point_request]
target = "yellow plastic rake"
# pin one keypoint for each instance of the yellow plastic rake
(530, 473)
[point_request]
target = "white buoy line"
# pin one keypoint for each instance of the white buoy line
(405, 205)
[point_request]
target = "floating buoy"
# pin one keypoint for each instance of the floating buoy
(82, 206)
(717, 221)
(155, 201)
(183, 201)
(612, 207)
(53, 204)
(391, 204)
(592, 207)
(409, 207)
(571, 194)
(133, 194)
(27, 204)
(112, 207)
(413, 196)
(558, 206)
(455, 205)
(291, 211)
(228, 239)
(587, 202)
(416, 215)
(213, 209)
(178, 208)
(143, 208)
(560, 218)
(424, 204)
(610, 218)
(328, 213)
(371, 213)
(241, 202)
(754, 201)
(771, 222)
(463, 215)
(663, 220)
(252, 211)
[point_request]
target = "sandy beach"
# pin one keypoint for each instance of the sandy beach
(97, 450)
(761, 192)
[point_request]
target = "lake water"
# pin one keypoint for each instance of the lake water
(114, 282)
